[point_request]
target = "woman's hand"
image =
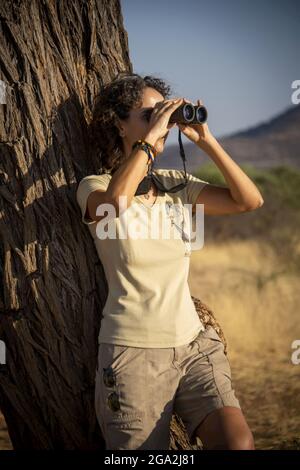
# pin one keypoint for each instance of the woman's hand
(197, 133)
(159, 121)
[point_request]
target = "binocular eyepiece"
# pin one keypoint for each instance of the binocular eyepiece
(189, 114)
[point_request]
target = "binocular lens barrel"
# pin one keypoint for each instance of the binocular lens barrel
(189, 114)
(201, 114)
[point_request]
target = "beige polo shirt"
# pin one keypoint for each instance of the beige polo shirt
(145, 254)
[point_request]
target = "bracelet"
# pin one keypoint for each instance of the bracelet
(140, 141)
(144, 146)
(144, 142)
(148, 152)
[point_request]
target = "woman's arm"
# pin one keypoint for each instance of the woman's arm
(124, 182)
(242, 194)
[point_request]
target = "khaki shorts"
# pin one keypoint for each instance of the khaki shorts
(138, 389)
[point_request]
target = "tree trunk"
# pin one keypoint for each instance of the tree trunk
(54, 56)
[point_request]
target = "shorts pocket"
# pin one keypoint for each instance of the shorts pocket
(122, 372)
(125, 431)
(112, 356)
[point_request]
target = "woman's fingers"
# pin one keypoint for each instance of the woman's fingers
(199, 102)
(188, 101)
(162, 105)
(175, 103)
(169, 107)
(158, 104)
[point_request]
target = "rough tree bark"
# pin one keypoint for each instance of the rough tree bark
(54, 56)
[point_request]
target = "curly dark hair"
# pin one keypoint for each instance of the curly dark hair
(116, 99)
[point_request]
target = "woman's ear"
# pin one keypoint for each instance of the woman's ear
(120, 127)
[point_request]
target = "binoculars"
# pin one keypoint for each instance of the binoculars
(189, 114)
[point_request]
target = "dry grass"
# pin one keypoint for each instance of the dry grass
(256, 300)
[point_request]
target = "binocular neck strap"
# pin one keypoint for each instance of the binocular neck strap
(181, 150)
(145, 184)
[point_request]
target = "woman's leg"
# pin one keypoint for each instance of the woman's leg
(205, 398)
(225, 428)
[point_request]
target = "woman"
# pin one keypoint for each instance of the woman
(155, 356)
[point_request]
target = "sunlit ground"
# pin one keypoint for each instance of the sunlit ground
(258, 307)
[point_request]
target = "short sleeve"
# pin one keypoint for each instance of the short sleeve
(87, 185)
(193, 188)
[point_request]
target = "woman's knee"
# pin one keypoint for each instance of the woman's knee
(239, 441)
(243, 441)
(226, 428)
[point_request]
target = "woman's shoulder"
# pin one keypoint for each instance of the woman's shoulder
(91, 183)
(103, 178)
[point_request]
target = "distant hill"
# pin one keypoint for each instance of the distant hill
(271, 143)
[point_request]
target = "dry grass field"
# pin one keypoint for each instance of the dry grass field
(248, 273)
(258, 309)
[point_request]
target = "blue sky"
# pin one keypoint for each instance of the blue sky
(239, 56)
